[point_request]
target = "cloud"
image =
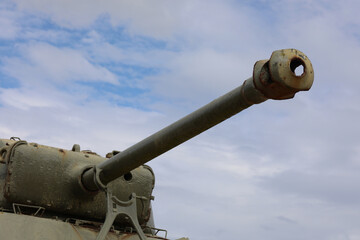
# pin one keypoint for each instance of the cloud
(9, 27)
(200, 73)
(44, 121)
(143, 17)
(324, 186)
(23, 99)
(188, 23)
(47, 63)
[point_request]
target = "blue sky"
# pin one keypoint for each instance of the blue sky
(106, 74)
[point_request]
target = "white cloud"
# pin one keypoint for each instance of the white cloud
(20, 98)
(52, 36)
(151, 18)
(9, 27)
(212, 23)
(46, 63)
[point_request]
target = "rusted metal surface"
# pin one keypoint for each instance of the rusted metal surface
(45, 176)
(282, 66)
(272, 79)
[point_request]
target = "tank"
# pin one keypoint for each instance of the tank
(53, 193)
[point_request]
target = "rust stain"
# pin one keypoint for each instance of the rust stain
(63, 153)
(94, 230)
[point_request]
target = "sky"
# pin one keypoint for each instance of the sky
(106, 74)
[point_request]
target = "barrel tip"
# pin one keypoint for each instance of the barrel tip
(287, 72)
(291, 68)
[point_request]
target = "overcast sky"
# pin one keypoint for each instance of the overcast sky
(106, 74)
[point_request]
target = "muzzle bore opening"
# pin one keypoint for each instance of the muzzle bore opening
(297, 67)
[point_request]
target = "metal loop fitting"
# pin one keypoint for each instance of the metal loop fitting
(97, 180)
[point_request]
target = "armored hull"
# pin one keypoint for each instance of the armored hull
(20, 226)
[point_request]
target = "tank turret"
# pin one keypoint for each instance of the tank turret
(72, 194)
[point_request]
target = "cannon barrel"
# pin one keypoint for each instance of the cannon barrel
(276, 78)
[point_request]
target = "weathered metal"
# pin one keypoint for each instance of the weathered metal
(56, 186)
(16, 227)
(46, 176)
(272, 79)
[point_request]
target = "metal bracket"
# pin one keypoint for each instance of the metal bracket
(28, 209)
(116, 207)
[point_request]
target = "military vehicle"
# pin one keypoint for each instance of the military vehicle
(53, 193)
